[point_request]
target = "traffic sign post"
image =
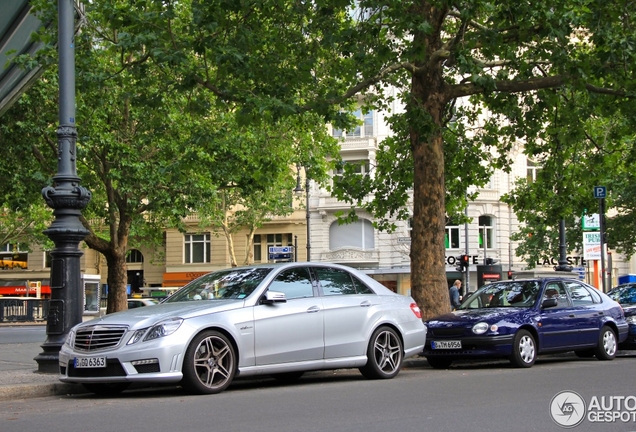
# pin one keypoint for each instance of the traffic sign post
(600, 192)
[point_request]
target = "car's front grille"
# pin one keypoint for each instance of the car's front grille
(446, 332)
(113, 369)
(98, 337)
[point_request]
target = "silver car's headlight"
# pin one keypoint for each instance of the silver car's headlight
(480, 328)
(631, 319)
(70, 338)
(161, 329)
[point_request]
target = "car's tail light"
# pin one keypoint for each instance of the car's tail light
(416, 310)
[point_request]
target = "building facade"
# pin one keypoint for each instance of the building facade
(385, 256)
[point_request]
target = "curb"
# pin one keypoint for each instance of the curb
(26, 391)
(35, 390)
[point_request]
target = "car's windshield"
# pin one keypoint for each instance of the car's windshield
(223, 284)
(504, 294)
(624, 295)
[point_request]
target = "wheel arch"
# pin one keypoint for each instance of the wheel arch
(226, 333)
(535, 334)
(390, 325)
(611, 324)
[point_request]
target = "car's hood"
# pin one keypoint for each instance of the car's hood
(149, 315)
(472, 315)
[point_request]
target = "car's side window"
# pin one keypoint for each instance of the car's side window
(595, 295)
(335, 281)
(361, 287)
(294, 283)
(556, 290)
(579, 295)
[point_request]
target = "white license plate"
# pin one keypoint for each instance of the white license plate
(89, 362)
(446, 344)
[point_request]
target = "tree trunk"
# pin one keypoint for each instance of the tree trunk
(428, 266)
(117, 280)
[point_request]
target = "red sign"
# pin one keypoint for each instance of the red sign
(20, 290)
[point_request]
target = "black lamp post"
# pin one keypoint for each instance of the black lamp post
(563, 259)
(67, 198)
(298, 190)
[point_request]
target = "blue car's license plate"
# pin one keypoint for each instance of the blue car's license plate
(446, 344)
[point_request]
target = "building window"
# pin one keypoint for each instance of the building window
(134, 256)
(361, 167)
(487, 231)
(256, 242)
(197, 248)
(359, 234)
(451, 235)
(365, 129)
(532, 169)
(279, 240)
(13, 256)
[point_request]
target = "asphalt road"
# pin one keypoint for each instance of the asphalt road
(22, 334)
(469, 397)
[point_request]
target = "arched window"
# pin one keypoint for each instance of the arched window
(359, 234)
(134, 256)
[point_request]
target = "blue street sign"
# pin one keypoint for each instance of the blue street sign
(600, 191)
(281, 249)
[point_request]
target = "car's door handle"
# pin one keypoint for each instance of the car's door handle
(313, 309)
(365, 303)
(571, 315)
(601, 313)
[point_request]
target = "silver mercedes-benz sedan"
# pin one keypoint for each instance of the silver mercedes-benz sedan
(277, 319)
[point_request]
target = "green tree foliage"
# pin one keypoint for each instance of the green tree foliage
(587, 143)
(149, 149)
(495, 71)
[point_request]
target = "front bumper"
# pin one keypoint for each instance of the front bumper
(472, 347)
(158, 361)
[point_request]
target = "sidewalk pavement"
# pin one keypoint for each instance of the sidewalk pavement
(20, 379)
(19, 376)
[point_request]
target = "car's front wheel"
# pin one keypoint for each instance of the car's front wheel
(607, 345)
(209, 364)
(384, 354)
(524, 350)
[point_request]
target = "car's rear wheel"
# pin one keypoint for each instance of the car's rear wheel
(209, 364)
(288, 376)
(439, 362)
(524, 350)
(384, 354)
(106, 389)
(607, 345)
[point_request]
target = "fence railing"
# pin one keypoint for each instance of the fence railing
(23, 310)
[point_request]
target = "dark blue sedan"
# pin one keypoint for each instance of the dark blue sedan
(519, 319)
(626, 295)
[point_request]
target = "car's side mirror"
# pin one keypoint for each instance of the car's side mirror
(272, 297)
(548, 303)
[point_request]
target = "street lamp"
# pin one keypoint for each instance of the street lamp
(298, 190)
(67, 198)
